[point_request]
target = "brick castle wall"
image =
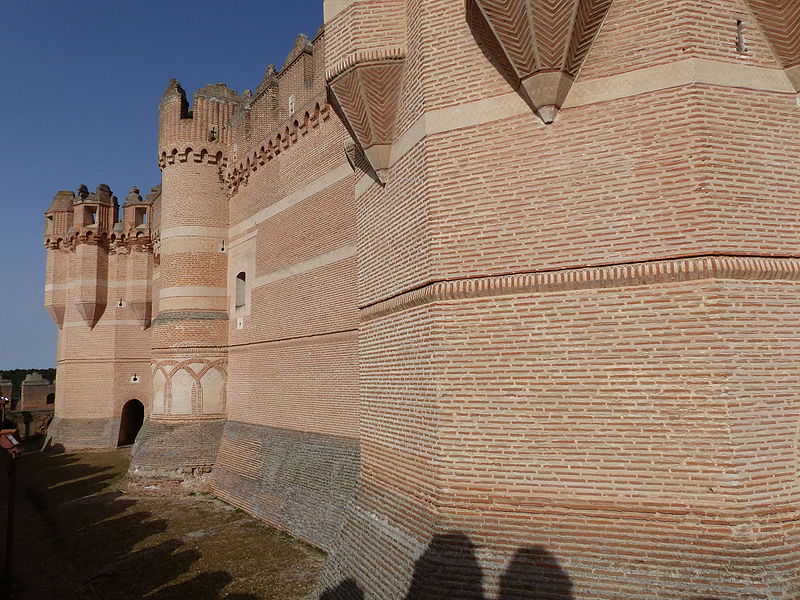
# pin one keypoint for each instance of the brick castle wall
(563, 317)
(289, 451)
(470, 353)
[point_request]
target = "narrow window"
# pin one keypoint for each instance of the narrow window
(51, 398)
(140, 215)
(241, 289)
(89, 215)
(741, 46)
(291, 105)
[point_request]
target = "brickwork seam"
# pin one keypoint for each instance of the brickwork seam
(323, 334)
(624, 275)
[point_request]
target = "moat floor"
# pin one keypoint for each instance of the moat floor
(78, 536)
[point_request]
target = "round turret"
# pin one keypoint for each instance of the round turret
(197, 135)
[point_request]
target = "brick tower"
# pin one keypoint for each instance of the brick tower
(190, 330)
(97, 292)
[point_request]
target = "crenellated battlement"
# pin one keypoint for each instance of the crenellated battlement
(238, 133)
(94, 219)
(292, 132)
(204, 126)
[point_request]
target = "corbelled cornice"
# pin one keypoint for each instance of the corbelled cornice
(366, 88)
(780, 21)
(545, 42)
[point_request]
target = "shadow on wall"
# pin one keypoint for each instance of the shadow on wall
(449, 569)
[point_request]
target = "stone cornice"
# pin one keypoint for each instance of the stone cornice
(623, 275)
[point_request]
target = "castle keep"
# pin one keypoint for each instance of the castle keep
(489, 297)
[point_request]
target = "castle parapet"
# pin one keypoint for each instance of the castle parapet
(192, 135)
(94, 215)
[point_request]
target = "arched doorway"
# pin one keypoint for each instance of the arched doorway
(131, 422)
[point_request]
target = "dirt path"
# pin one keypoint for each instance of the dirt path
(78, 537)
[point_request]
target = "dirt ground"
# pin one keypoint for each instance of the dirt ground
(77, 536)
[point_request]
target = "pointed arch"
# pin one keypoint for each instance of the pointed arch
(159, 383)
(213, 392)
(182, 387)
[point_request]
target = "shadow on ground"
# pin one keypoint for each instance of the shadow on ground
(78, 536)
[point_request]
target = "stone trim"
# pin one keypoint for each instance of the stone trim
(684, 72)
(325, 337)
(624, 275)
(184, 231)
(105, 323)
(305, 266)
(332, 8)
(593, 91)
(333, 176)
(195, 291)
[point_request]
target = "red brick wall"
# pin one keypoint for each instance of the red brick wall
(521, 400)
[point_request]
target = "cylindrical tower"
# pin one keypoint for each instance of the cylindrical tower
(189, 339)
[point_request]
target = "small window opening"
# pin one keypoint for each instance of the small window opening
(51, 398)
(213, 133)
(291, 105)
(140, 216)
(121, 303)
(741, 46)
(48, 225)
(135, 378)
(241, 289)
(89, 215)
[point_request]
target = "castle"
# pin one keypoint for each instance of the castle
(488, 297)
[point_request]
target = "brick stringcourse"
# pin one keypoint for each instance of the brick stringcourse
(626, 275)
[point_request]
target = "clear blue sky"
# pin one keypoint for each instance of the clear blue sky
(79, 87)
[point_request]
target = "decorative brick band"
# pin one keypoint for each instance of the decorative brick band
(624, 275)
(211, 155)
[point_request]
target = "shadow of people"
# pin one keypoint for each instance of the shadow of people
(447, 569)
(346, 590)
(208, 586)
(534, 574)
